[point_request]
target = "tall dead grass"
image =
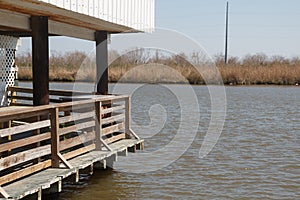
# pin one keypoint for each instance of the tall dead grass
(141, 66)
(260, 69)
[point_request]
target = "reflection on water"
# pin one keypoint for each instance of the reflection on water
(257, 156)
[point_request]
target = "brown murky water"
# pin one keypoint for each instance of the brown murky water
(257, 155)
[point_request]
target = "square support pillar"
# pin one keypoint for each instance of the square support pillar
(102, 62)
(40, 60)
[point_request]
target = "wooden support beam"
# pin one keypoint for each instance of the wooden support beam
(39, 193)
(101, 62)
(77, 176)
(55, 188)
(40, 60)
(132, 149)
(100, 165)
(3, 193)
(110, 161)
(140, 146)
(103, 163)
(64, 161)
(106, 145)
(88, 170)
(69, 30)
(14, 20)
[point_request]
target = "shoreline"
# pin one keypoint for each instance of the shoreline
(168, 83)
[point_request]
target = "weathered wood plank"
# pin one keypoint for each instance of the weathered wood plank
(51, 100)
(37, 182)
(26, 98)
(115, 138)
(20, 104)
(72, 142)
(20, 89)
(51, 92)
(113, 109)
(68, 93)
(24, 128)
(76, 127)
(80, 151)
(24, 156)
(78, 108)
(76, 116)
(112, 129)
(24, 172)
(113, 119)
(122, 144)
(24, 142)
(24, 113)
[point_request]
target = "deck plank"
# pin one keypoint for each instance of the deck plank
(33, 183)
(44, 179)
(123, 144)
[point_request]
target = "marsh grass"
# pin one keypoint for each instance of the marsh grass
(138, 68)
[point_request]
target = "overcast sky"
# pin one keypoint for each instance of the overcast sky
(256, 26)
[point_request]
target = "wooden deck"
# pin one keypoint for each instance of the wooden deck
(53, 177)
(42, 146)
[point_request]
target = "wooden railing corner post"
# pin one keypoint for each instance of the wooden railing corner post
(129, 133)
(55, 137)
(127, 117)
(98, 125)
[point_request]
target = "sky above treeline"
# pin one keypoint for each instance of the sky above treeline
(257, 26)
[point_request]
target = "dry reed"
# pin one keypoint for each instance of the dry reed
(136, 67)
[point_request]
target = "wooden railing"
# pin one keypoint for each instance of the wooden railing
(20, 96)
(36, 138)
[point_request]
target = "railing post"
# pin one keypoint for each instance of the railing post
(38, 144)
(55, 138)
(13, 93)
(98, 125)
(127, 117)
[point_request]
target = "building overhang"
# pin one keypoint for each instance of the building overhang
(15, 20)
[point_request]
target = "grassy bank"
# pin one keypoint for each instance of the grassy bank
(139, 67)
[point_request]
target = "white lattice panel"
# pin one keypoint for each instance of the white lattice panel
(8, 70)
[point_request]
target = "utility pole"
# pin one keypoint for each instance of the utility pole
(226, 34)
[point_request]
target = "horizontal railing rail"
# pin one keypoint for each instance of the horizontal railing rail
(20, 96)
(38, 137)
